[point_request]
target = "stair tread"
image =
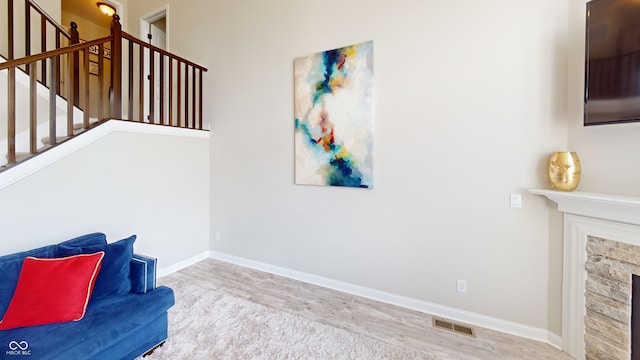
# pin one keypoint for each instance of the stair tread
(47, 140)
(20, 155)
(80, 126)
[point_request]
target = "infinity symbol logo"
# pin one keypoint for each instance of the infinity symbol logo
(22, 345)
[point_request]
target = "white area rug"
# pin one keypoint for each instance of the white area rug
(208, 325)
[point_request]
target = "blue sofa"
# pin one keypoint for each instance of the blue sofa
(113, 327)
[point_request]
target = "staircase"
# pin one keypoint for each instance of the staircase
(22, 108)
(58, 94)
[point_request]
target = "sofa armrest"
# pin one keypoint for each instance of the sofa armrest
(143, 273)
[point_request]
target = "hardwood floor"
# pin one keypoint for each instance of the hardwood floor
(377, 320)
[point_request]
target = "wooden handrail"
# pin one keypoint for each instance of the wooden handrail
(162, 51)
(51, 53)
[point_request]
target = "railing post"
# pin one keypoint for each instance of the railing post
(186, 95)
(141, 87)
(116, 67)
(101, 115)
(55, 79)
(130, 92)
(33, 107)
(27, 31)
(75, 39)
(10, 30)
(193, 97)
(75, 35)
(43, 48)
(11, 114)
(57, 68)
(200, 100)
(71, 101)
(152, 86)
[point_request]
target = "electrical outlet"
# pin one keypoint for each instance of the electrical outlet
(217, 235)
(461, 285)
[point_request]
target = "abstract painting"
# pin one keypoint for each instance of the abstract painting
(333, 97)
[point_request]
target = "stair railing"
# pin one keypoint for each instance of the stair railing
(50, 59)
(178, 98)
(178, 82)
(62, 36)
(169, 87)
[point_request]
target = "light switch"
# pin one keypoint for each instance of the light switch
(516, 201)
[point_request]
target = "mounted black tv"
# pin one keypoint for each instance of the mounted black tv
(612, 71)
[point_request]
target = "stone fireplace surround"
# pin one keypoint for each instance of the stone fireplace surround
(592, 218)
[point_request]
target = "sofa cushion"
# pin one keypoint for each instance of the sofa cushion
(111, 329)
(113, 279)
(11, 264)
(52, 290)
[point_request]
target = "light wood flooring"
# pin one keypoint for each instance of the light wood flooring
(388, 323)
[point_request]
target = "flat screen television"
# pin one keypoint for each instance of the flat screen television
(612, 71)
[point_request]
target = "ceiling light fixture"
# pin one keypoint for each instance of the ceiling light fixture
(106, 8)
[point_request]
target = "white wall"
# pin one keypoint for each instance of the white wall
(155, 186)
(470, 98)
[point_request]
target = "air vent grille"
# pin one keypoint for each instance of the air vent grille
(451, 326)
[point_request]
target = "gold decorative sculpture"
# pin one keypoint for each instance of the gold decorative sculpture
(564, 170)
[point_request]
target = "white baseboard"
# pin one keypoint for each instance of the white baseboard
(162, 272)
(451, 313)
(554, 340)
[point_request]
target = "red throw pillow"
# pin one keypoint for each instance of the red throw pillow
(52, 290)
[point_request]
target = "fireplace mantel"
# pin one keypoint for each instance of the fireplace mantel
(623, 209)
(610, 217)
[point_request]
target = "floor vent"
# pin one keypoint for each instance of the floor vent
(451, 326)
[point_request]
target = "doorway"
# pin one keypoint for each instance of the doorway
(154, 29)
(92, 24)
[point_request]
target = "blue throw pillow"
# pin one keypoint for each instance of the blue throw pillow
(88, 239)
(113, 279)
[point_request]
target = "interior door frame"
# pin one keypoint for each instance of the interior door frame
(145, 22)
(147, 19)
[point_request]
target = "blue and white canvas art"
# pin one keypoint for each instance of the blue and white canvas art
(333, 97)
